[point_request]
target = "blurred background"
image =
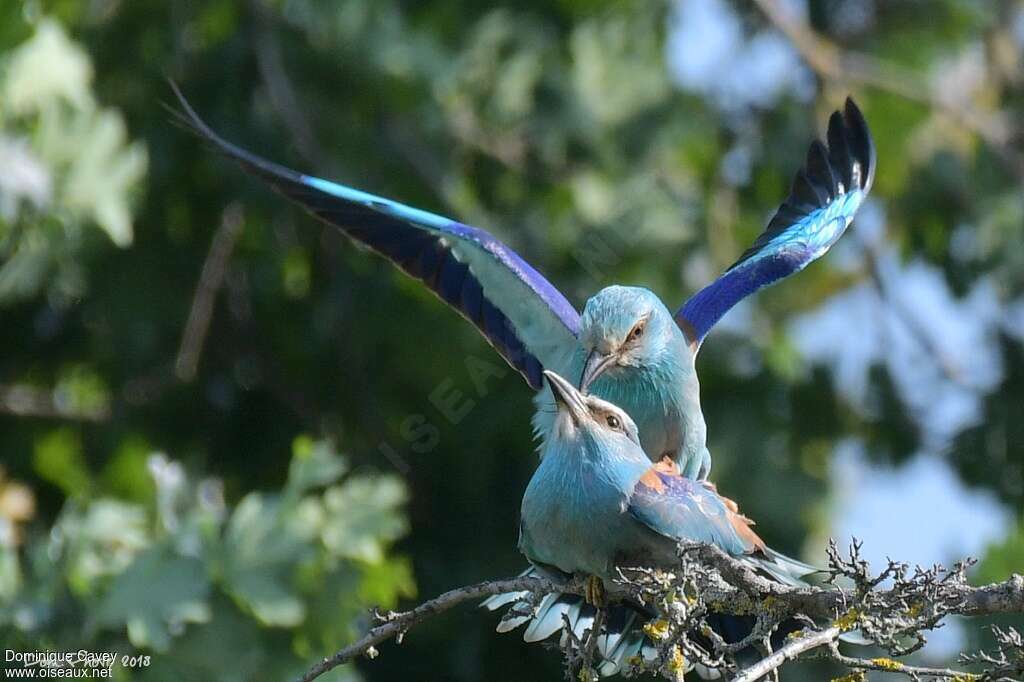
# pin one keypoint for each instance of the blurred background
(226, 432)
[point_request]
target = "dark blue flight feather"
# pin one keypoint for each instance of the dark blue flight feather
(826, 194)
(520, 313)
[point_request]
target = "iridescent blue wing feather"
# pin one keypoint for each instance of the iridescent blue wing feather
(527, 320)
(683, 509)
(826, 194)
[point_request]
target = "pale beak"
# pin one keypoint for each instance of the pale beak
(595, 366)
(567, 398)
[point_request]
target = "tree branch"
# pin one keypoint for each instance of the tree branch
(395, 625)
(210, 279)
(789, 652)
(710, 581)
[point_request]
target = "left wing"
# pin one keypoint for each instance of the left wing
(826, 194)
(683, 509)
(526, 319)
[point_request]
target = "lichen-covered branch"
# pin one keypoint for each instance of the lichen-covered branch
(394, 625)
(893, 609)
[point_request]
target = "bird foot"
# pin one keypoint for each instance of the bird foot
(593, 592)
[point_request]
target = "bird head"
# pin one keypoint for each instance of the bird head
(624, 327)
(585, 419)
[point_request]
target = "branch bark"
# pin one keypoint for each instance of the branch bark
(789, 652)
(395, 625)
(738, 590)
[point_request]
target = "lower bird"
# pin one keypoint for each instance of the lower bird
(596, 502)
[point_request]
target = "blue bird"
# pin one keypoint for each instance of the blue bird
(627, 346)
(596, 502)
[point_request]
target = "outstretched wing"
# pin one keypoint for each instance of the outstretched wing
(520, 313)
(826, 194)
(683, 509)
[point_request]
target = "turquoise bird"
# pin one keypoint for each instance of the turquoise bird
(627, 346)
(596, 502)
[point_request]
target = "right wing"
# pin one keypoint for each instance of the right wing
(826, 194)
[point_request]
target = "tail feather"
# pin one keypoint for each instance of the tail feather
(549, 617)
(785, 569)
(497, 601)
(622, 639)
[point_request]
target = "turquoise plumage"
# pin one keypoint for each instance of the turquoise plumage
(627, 347)
(650, 375)
(596, 502)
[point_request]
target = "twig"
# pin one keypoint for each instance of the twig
(793, 649)
(825, 602)
(891, 666)
(395, 625)
(210, 279)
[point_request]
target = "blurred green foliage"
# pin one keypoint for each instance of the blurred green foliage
(558, 126)
(180, 570)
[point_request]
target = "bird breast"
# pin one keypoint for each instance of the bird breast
(572, 517)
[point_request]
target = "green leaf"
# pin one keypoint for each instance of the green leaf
(101, 541)
(314, 463)
(384, 583)
(58, 459)
(260, 556)
(48, 67)
(157, 594)
(363, 516)
(126, 474)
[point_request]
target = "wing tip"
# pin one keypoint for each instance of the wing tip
(864, 149)
(850, 145)
(186, 116)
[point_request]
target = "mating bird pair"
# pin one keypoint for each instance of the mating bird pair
(628, 352)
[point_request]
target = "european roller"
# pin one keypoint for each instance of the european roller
(596, 502)
(627, 346)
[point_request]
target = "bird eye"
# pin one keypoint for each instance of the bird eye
(613, 422)
(637, 332)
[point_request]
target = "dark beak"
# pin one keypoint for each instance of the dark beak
(594, 367)
(567, 398)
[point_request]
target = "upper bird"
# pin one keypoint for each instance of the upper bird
(627, 347)
(596, 503)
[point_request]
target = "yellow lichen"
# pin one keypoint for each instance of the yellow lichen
(848, 621)
(887, 663)
(656, 629)
(676, 662)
